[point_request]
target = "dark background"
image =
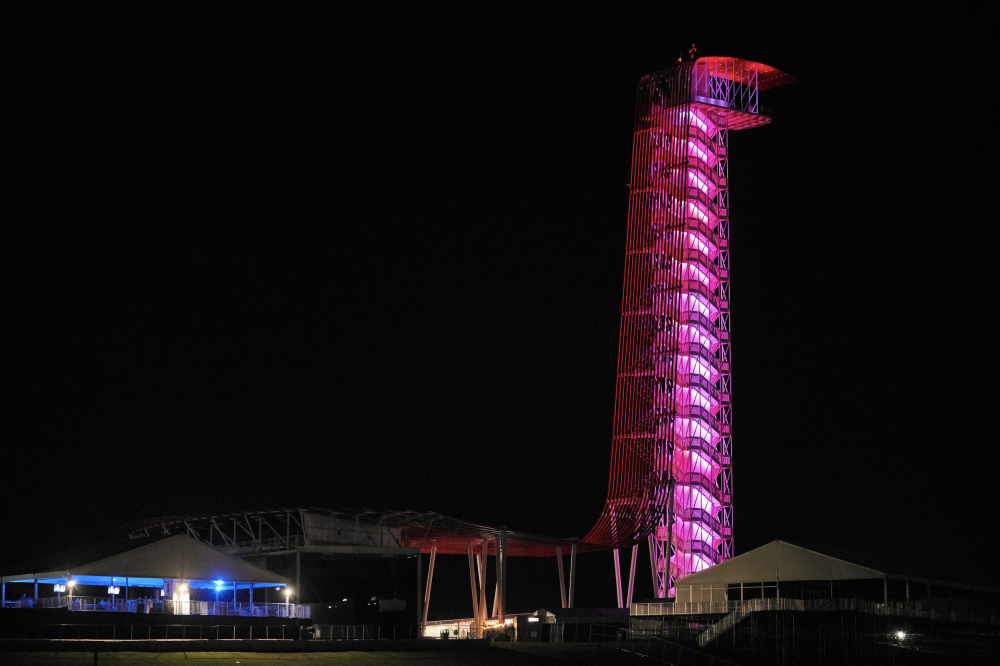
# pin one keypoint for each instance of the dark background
(372, 255)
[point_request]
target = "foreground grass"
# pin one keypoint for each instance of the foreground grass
(529, 654)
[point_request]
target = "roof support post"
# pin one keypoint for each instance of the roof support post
(631, 576)
(572, 574)
(36, 590)
(618, 577)
(562, 576)
(652, 563)
(427, 592)
(225, 539)
(496, 591)
(420, 593)
(482, 588)
(503, 571)
(298, 574)
(475, 593)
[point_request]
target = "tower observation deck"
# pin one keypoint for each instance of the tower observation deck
(671, 466)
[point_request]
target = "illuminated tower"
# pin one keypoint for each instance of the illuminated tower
(671, 471)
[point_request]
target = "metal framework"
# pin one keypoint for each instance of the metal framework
(671, 465)
(374, 533)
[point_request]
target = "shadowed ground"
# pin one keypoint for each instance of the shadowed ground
(511, 653)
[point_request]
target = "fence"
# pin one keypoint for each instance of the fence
(586, 633)
(807, 605)
(194, 632)
(695, 608)
(110, 604)
(363, 632)
(671, 653)
(146, 632)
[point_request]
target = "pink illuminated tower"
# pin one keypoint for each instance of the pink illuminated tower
(671, 470)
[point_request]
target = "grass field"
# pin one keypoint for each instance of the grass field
(509, 653)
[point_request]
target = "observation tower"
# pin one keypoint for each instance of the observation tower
(671, 464)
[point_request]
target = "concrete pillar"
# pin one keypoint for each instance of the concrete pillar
(562, 576)
(503, 585)
(420, 592)
(475, 593)
(482, 584)
(298, 576)
(427, 592)
(618, 577)
(631, 576)
(572, 575)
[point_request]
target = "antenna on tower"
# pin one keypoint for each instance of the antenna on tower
(693, 50)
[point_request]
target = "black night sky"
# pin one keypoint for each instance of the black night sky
(372, 255)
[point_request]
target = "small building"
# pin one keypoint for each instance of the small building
(819, 603)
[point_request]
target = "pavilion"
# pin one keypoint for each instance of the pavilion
(168, 571)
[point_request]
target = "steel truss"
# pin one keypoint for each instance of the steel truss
(671, 473)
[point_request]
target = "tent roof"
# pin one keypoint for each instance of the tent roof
(780, 560)
(177, 557)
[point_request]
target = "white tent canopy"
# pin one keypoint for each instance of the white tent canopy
(179, 557)
(781, 561)
(771, 563)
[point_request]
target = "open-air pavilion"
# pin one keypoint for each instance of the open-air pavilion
(176, 574)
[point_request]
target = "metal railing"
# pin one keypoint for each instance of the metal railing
(671, 653)
(194, 632)
(109, 604)
(146, 632)
(695, 608)
(363, 632)
(737, 610)
(730, 620)
(586, 633)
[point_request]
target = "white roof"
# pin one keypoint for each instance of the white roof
(176, 557)
(780, 560)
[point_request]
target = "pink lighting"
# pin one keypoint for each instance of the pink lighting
(671, 478)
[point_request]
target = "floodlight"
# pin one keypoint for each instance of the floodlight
(900, 635)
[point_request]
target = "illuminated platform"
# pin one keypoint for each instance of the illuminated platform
(163, 575)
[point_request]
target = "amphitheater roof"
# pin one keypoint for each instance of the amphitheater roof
(366, 531)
